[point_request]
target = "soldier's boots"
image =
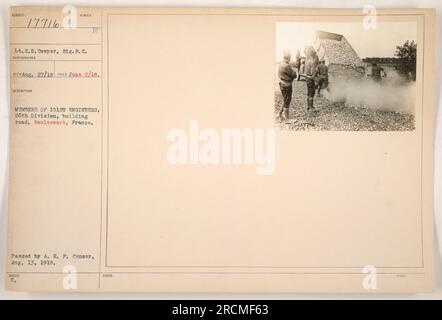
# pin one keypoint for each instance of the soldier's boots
(286, 113)
(310, 104)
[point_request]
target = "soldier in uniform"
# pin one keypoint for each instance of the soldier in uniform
(298, 61)
(301, 68)
(377, 72)
(286, 76)
(322, 76)
(309, 75)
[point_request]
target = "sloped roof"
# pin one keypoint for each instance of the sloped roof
(337, 49)
(328, 35)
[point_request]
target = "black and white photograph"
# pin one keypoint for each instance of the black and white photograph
(345, 76)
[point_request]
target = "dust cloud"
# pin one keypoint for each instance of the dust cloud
(391, 94)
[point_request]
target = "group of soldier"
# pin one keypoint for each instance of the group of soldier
(315, 74)
(310, 69)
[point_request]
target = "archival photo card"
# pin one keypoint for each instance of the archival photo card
(221, 150)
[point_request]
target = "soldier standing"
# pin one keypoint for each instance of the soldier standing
(322, 75)
(298, 62)
(377, 72)
(286, 76)
(310, 73)
(301, 68)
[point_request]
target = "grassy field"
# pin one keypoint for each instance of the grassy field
(338, 116)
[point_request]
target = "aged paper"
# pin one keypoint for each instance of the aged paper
(221, 150)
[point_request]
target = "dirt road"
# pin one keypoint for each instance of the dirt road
(338, 116)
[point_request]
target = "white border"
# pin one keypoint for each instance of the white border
(4, 97)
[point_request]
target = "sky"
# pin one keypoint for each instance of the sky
(379, 42)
